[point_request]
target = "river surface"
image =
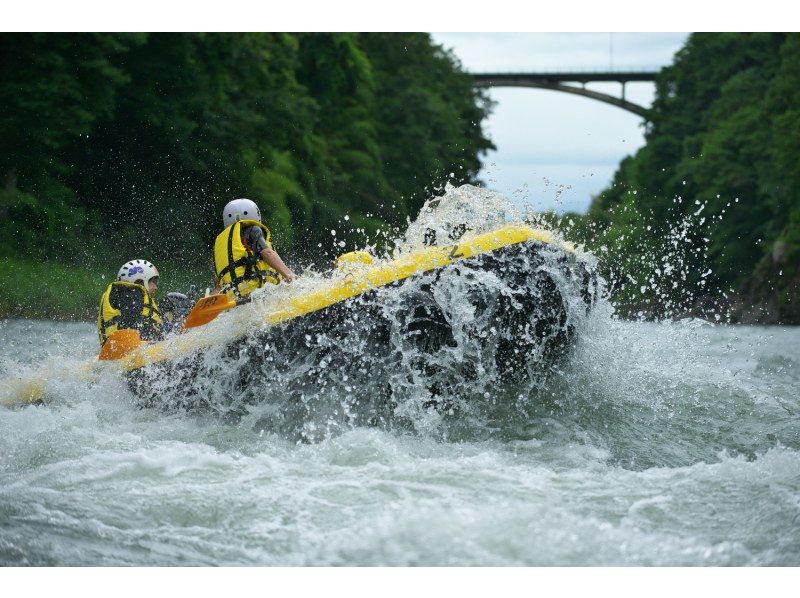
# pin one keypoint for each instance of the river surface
(659, 444)
(429, 427)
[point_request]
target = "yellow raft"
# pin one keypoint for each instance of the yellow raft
(356, 281)
(340, 290)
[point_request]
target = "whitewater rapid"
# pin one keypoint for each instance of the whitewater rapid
(661, 444)
(673, 443)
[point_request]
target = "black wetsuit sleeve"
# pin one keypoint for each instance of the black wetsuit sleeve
(131, 303)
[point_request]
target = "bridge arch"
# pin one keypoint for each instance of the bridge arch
(560, 82)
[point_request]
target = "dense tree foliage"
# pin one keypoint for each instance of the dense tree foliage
(120, 145)
(710, 206)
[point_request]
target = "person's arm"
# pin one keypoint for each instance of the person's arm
(270, 256)
(276, 263)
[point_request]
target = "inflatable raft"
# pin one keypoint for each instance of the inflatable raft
(372, 339)
(501, 299)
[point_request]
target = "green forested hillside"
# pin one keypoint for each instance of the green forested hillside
(716, 188)
(115, 146)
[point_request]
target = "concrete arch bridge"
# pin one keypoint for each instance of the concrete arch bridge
(573, 82)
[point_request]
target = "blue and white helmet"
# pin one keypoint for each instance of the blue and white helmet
(137, 272)
(240, 209)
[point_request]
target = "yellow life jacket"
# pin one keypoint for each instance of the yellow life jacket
(239, 270)
(149, 322)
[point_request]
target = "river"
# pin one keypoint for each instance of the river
(673, 443)
(660, 444)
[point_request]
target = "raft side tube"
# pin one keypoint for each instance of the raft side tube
(338, 289)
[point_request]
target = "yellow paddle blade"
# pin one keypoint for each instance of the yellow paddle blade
(33, 391)
(23, 392)
(119, 344)
(208, 308)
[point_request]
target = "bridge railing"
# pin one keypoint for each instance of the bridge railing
(582, 77)
(568, 70)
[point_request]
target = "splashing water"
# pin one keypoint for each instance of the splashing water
(673, 443)
(442, 353)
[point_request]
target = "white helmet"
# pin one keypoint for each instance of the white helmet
(137, 272)
(240, 209)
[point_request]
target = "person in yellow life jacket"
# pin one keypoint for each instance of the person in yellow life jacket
(128, 303)
(244, 259)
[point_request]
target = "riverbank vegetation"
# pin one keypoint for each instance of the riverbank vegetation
(706, 216)
(115, 146)
(121, 146)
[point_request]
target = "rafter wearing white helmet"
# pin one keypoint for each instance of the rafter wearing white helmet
(128, 303)
(244, 259)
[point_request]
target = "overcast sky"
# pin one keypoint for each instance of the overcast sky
(556, 150)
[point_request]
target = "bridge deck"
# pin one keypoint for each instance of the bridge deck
(565, 77)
